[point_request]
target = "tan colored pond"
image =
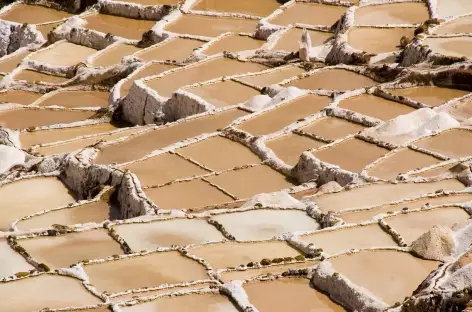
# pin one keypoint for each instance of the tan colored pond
(32, 76)
(161, 291)
(206, 70)
(272, 296)
(400, 162)
(453, 143)
(62, 54)
(43, 193)
(460, 110)
(224, 93)
(45, 29)
(391, 13)
(332, 128)
(461, 25)
(74, 99)
(290, 40)
(152, 2)
(8, 62)
(50, 291)
(381, 193)
(179, 232)
(333, 79)
(234, 43)
(289, 147)
(210, 26)
(19, 97)
(11, 262)
(248, 182)
(64, 250)
(139, 146)
(375, 269)
(147, 70)
(455, 46)
(256, 8)
(360, 154)
(264, 224)
(232, 254)
(218, 153)
(272, 77)
(377, 40)
(33, 14)
(128, 28)
(154, 270)
(176, 49)
(447, 8)
(278, 118)
(309, 13)
(269, 270)
(429, 95)
(113, 55)
(452, 168)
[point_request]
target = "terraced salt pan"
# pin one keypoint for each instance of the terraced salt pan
(332, 128)
(269, 270)
(176, 49)
(151, 2)
(43, 193)
(233, 43)
(8, 63)
(33, 14)
(113, 55)
(151, 70)
(461, 25)
(381, 193)
(232, 254)
(32, 76)
(224, 93)
(452, 168)
(430, 95)
(208, 70)
(11, 262)
(19, 97)
(377, 40)
(450, 46)
(166, 290)
(278, 118)
(309, 13)
(375, 106)
(401, 161)
(210, 26)
(42, 291)
(333, 79)
(128, 28)
(373, 270)
(139, 146)
(64, 250)
(45, 29)
(179, 232)
(289, 147)
(154, 270)
(460, 110)
(412, 225)
(63, 53)
(226, 154)
(454, 143)
(272, 77)
(391, 13)
(75, 99)
(256, 8)
(272, 296)
(290, 40)
(248, 182)
(447, 8)
(361, 154)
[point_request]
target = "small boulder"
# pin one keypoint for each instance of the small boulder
(436, 244)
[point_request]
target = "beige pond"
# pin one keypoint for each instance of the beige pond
(412, 225)
(113, 55)
(460, 110)
(290, 147)
(64, 250)
(232, 254)
(145, 71)
(46, 290)
(32, 76)
(33, 14)
(10, 62)
(176, 49)
(332, 128)
(219, 153)
(128, 28)
(375, 106)
(401, 161)
(374, 269)
(333, 79)
(139, 146)
(448, 169)
(233, 43)
(154, 270)
(246, 183)
(454, 143)
(26, 118)
(200, 72)
(43, 193)
(45, 29)
(187, 303)
(359, 237)
(210, 26)
(456, 46)
(164, 168)
(19, 97)
(152, 2)
(185, 195)
(309, 13)
(179, 232)
(94, 212)
(11, 262)
(429, 95)
(161, 291)
(359, 216)
(272, 296)
(447, 8)
(62, 53)
(257, 8)
(290, 40)
(360, 154)
(381, 193)
(461, 25)
(391, 13)
(265, 224)
(74, 99)
(283, 115)
(269, 270)
(272, 77)
(377, 40)
(224, 93)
